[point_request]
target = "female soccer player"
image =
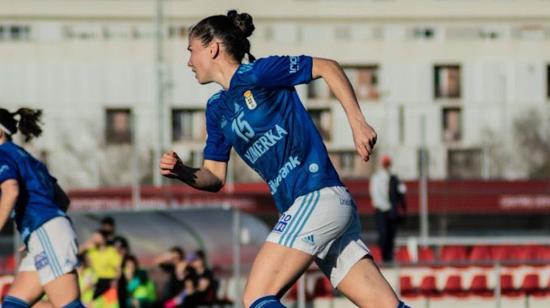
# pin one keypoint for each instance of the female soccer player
(38, 205)
(260, 115)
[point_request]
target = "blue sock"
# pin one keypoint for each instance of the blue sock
(270, 301)
(402, 305)
(14, 302)
(75, 304)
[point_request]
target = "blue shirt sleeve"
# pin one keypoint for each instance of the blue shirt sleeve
(8, 170)
(217, 147)
(283, 71)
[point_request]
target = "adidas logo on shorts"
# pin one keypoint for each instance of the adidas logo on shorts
(309, 239)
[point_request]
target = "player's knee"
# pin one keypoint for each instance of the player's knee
(270, 301)
(14, 302)
(75, 304)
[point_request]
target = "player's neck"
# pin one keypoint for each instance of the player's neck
(226, 74)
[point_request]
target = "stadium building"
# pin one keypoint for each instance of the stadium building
(450, 77)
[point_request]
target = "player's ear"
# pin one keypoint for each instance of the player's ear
(214, 47)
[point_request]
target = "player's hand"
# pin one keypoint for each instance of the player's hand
(170, 163)
(364, 137)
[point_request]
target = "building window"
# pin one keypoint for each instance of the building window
(84, 31)
(365, 81)
(141, 31)
(177, 31)
(464, 164)
(462, 33)
(489, 34)
(347, 160)
(447, 81)
(117, 31)
(349, 164)
(119, 126)
(322, 118)
(188, 125)
(452, 124)
(15, 32)
(425, 33)
(344, 162)
(342, 33)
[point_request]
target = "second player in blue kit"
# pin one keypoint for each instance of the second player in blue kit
(259, 114)
(37, 204)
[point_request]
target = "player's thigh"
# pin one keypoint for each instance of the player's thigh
(365, 285)
(26, 286)
(275, 268)
(63, 289)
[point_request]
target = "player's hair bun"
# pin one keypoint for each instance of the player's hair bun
(242, 21)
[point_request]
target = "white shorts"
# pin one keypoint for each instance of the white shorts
(51, 250)
(325, 224)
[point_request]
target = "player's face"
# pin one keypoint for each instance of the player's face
(199, 60)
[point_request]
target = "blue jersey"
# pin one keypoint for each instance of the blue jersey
(261, 116)
(35, 204)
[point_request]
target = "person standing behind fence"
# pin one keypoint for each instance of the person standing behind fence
(388, 200)
(38, 204)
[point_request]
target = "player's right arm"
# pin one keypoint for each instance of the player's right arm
(210, 177)
(10, 193)
(364, 135)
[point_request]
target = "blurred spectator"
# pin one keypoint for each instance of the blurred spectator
(207, 285)
(189, 297)
(173, 263)
(105, 262)
(140, 289)
(387, 195)
(108, 226)
(123, 248)
(86, 279)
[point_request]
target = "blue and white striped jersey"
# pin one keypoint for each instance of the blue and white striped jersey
(35, 204)
(263, 119)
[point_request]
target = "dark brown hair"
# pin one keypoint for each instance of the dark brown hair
(232, 29)
(28, 123)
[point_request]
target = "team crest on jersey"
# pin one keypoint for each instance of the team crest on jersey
(249, 99)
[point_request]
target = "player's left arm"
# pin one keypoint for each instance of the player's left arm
(10, 193)
(364, 135)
